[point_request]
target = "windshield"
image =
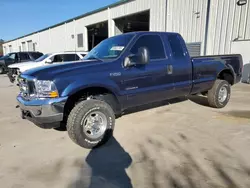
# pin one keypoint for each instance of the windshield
(109, 48)
(42, 57)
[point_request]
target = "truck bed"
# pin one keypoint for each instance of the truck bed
(205, 68)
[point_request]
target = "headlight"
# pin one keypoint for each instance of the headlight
(46, 89)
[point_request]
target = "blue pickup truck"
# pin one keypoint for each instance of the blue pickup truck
(122, 72)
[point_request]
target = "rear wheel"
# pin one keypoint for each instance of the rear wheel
(219, 95)
(91, 123)
(1, 70)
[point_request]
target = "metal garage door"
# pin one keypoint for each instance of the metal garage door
(194, 48)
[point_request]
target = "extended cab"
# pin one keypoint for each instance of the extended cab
(121, 72)
(17, 57)
(15, 70)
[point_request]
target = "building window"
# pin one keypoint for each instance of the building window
(80, 40)
(10, 48)
(30, 45)
(23, 46)
(34, 46)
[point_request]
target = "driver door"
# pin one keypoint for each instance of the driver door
(143, 84)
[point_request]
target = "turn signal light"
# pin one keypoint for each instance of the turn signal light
(53, 94)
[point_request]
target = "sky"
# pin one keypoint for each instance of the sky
(21, 17)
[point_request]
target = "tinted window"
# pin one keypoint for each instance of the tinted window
(154, 45)
(24, 56)
(176, 46)
(70, 57)
(42, 58)
(12, 56)
(83, 55)
(36, 55)
(57, 58)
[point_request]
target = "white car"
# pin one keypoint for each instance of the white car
(16, 69)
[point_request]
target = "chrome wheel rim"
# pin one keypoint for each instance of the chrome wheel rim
(94, 124)
(222, 94)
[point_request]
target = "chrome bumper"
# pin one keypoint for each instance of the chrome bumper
(45, 113)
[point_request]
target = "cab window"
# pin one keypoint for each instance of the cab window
(154, 45)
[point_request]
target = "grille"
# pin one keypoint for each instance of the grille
(13, 71)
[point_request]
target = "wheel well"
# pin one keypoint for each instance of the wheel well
(95, 93)
(226, 75)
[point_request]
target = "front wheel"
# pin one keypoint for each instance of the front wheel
(219, 95)
(91, 123)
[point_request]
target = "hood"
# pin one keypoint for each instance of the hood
(50, 72)
(25, 66)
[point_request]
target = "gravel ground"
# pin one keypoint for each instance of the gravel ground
(182, 144)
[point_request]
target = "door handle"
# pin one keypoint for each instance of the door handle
(170, 69)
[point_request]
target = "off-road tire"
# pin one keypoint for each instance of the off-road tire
(79, 112)
(213, 94)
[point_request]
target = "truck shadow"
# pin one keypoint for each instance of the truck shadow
(154, 105)
(198, 99)
(238, 113)
(108, 166)
(189, 172)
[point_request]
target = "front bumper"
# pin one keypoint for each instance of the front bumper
(45, 113)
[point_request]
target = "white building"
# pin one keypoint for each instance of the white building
(208, 26)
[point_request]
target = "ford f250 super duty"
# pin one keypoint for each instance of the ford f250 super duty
(121, 72)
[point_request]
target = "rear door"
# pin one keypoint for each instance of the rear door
(181, 65)
(24, 57)
(147, 83)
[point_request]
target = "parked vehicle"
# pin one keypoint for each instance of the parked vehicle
(17, 57)
(121, 72)
(47, 59)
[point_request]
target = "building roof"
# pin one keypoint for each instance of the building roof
(75, 18)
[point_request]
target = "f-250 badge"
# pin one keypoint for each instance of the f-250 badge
(115, 74)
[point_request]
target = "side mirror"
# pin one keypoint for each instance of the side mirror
(48, 61)
(141, 58)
